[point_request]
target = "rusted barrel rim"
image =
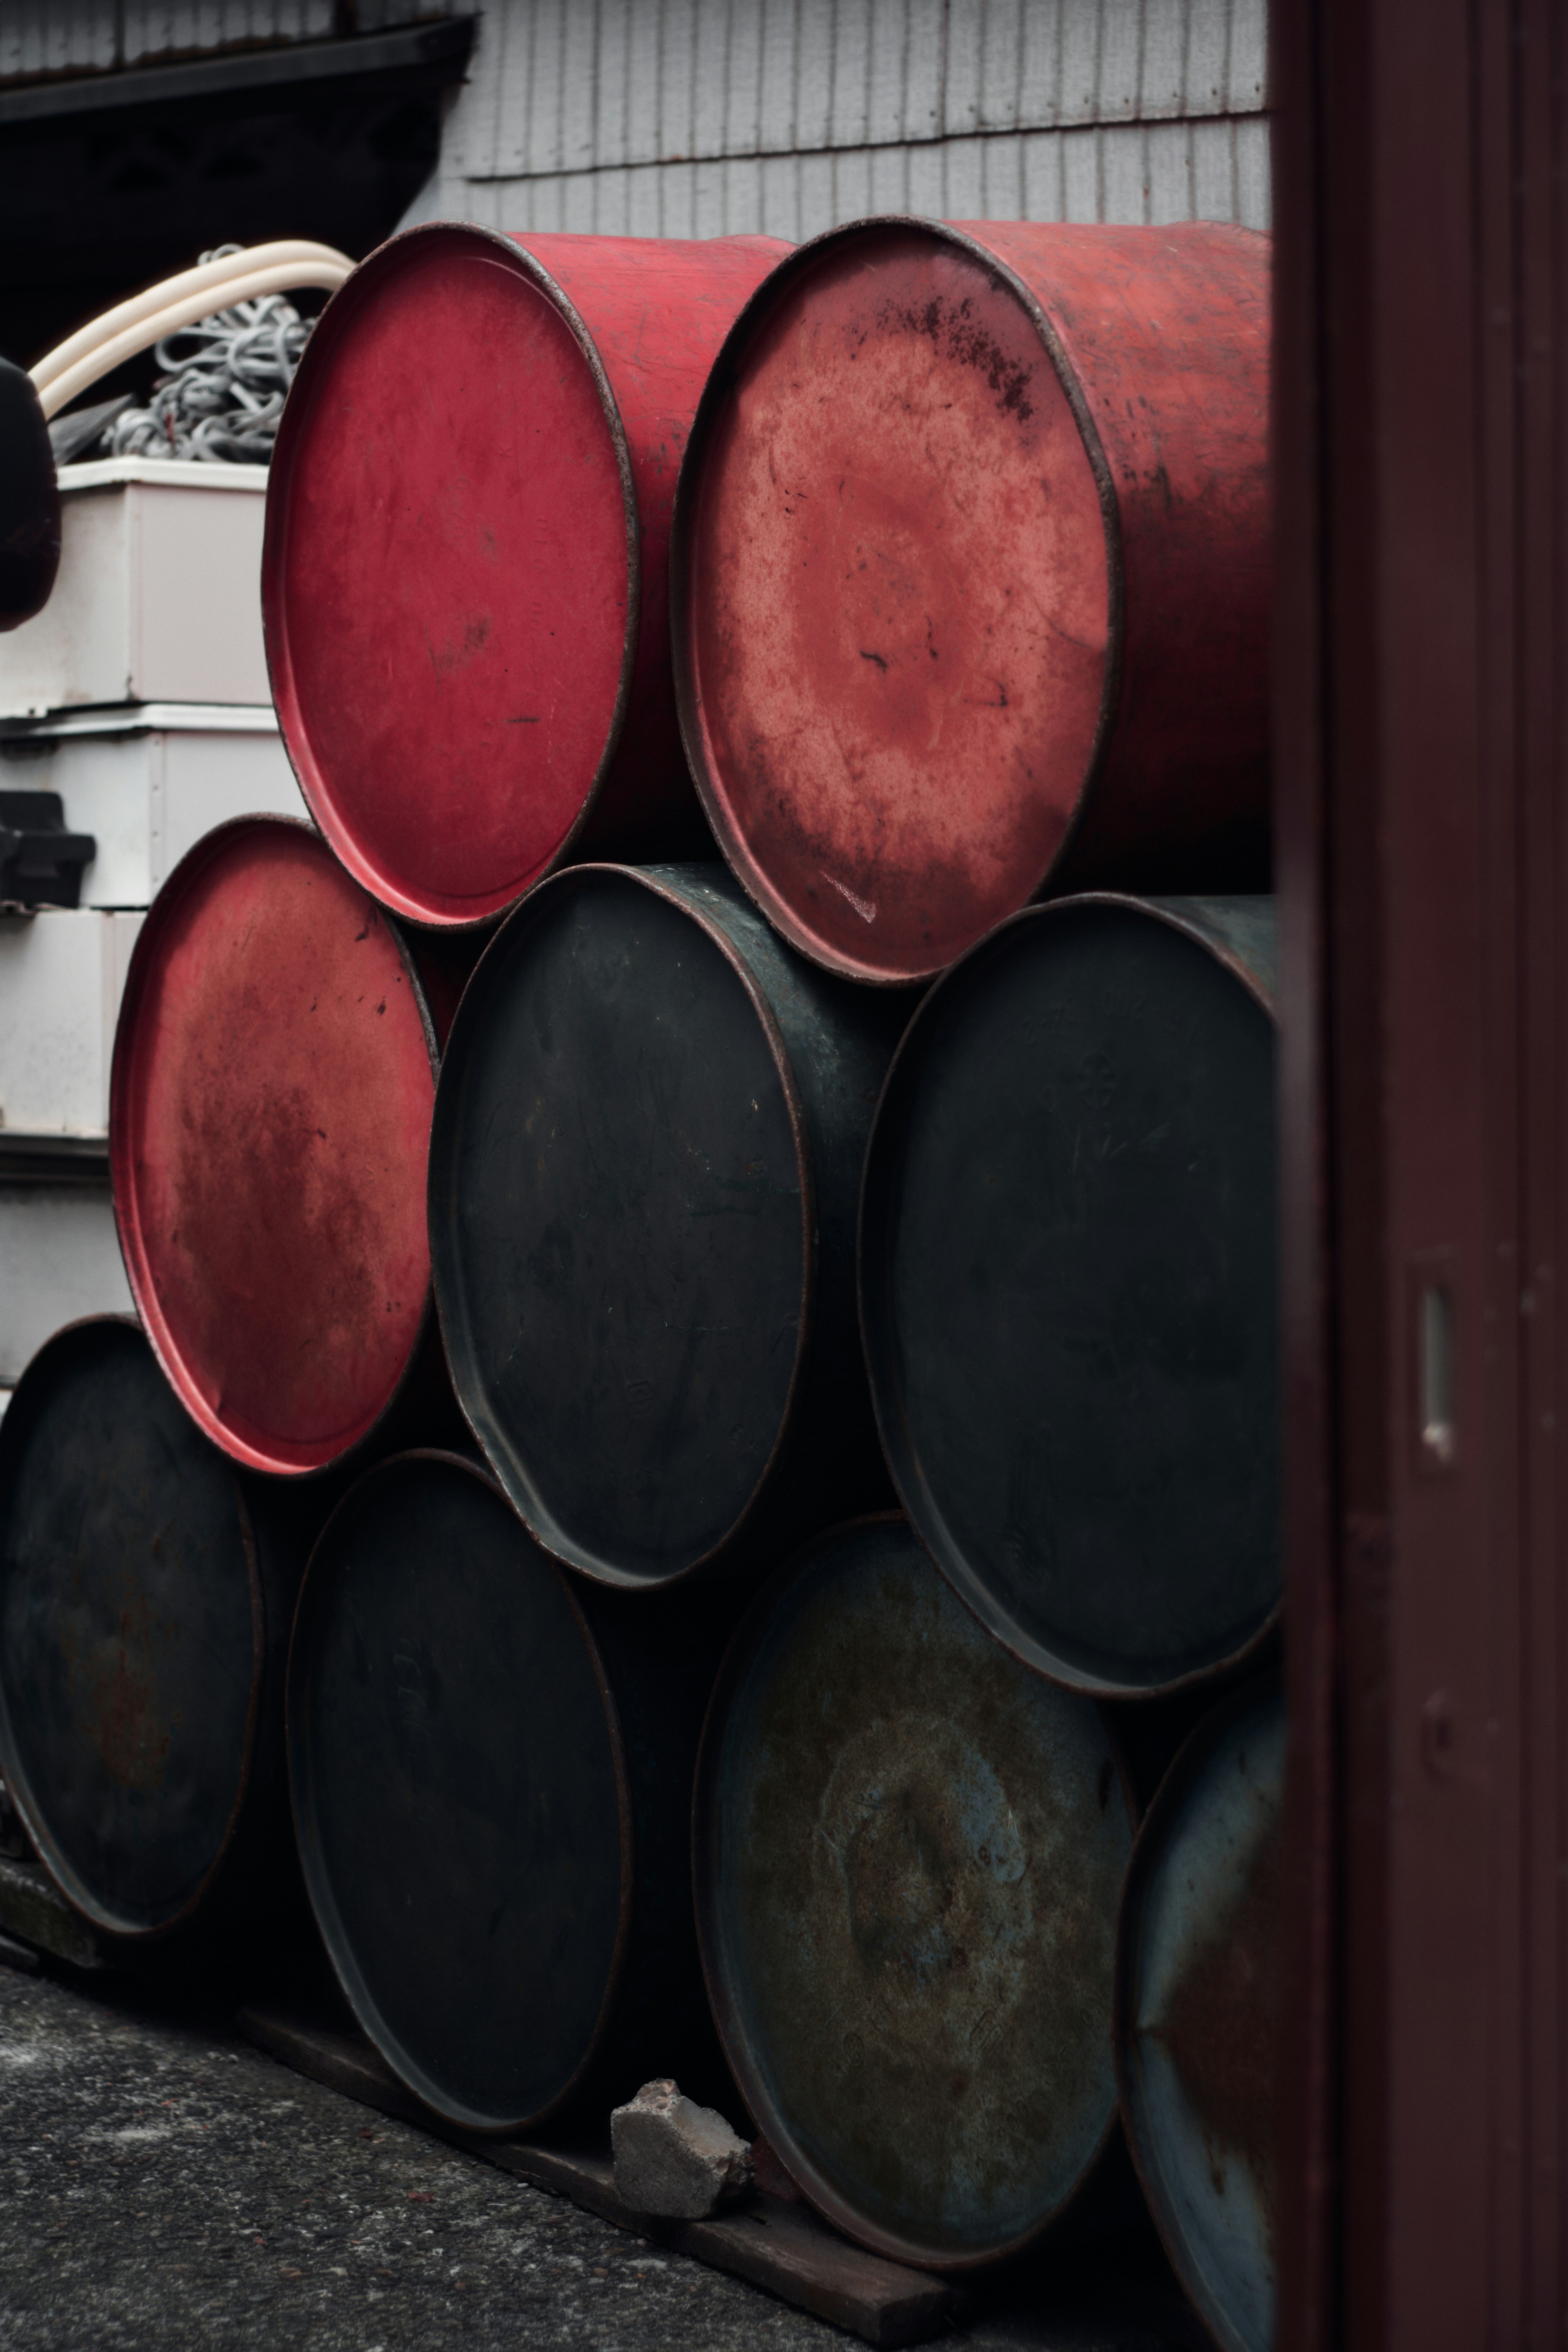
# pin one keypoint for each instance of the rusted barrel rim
(817, 2190)
(924, 1516)
(317, 1884)
(720, 383)
(1148, 1849)
(122, 1172)
(336, 320)
(76, 1892)
(490, 975)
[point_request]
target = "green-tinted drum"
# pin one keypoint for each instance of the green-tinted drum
(909, 1853)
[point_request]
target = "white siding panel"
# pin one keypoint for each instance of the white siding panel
(963, 192)
(682, 117)
(744, 79)
(1045, 194)
(817, 210)
(852, 193)
(579, 82)
(1161, 88)
(928, 184)
(889, 179)
(1002, 191)
(888, 40)
(1254, 205)
(1079, 94)
(677, 78)
(924, 63)
(1120, 60)
(776, 95)
(999, 60)
(849, 124)
(1214, 171)
(1208, 57)
(642, 88)
(963, 50)
(1041, 64)
(1123, 174)
(1080, 176)
(1168, 153)
(708, 198)
(1248, 55)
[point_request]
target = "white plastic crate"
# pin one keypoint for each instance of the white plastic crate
(148, 781)
(159, 593)
(62, 973)
(60, 1258)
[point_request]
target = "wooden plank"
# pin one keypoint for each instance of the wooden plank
(33, 1909)
(783, 2247)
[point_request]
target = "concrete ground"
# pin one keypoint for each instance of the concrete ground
(164, 2185)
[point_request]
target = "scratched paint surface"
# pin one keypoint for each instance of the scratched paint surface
(1204, 2020)
(900, 603)
(917, 1854)
(452, 553)
(454, 588)
(127, 1639)
(272, 1100)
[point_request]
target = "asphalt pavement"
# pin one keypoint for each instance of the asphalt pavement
(164, 2185)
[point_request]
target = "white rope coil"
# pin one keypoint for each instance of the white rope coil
(251, 281)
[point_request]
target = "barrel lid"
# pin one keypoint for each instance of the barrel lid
(270, 1119)
(1068, 1286)
(896, 597)
(131, 1630)
(1198, 2013)
(459, 1791)
(909, 1852)
(621, 1219)
(450, 579)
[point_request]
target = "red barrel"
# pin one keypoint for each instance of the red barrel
(269, 1118)
(970, 567)
(465, 576)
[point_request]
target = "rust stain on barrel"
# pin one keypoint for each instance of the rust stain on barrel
(1221, 2026)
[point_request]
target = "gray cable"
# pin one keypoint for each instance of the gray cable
(227, 378)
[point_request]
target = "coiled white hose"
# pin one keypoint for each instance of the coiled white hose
(135, 325)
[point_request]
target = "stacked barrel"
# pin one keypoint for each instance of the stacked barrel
(737, 1165)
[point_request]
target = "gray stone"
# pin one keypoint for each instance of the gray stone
(674, 2160)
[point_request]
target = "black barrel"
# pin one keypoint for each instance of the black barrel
(146, 1592)
(493, 1768)
(643, 1171)
(1197, 2012)
(1068, 1273)
(909, 1852)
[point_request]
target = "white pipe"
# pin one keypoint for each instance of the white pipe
(208, 276)
(99, 362)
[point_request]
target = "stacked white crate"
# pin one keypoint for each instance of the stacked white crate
(140, 695)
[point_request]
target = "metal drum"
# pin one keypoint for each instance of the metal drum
(269, 1117)
(146, 1592)
(1068, 1285)
(465, 576)
(644, 1171)
(493, 1770)
(971, 579)
(1198, 2013)
(909, 1853)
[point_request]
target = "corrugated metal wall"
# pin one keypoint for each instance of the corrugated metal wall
(692, 118)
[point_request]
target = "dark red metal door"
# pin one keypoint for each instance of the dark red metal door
(1422, 444)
